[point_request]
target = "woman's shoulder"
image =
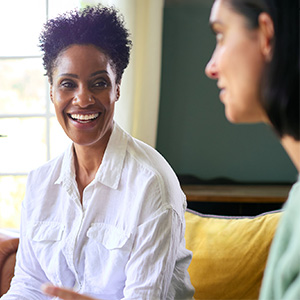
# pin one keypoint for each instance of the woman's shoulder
(145, 164)
(294, 195)
(148, 157)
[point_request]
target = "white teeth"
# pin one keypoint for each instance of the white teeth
(84, 117)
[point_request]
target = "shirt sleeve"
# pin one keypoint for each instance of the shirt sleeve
(28, 278)
(150, 268)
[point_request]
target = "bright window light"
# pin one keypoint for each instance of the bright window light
(29, 132)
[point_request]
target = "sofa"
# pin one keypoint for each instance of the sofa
(229, 254)
(8, 248)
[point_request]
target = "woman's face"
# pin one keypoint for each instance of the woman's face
(84, 92)
(237, 63)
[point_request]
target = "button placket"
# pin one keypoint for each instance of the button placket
(72, 238)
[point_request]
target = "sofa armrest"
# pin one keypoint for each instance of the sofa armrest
(8, 249)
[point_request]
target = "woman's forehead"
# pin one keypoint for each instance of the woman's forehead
(78, 53)
(83, 57)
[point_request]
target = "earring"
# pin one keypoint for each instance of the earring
(90, 99)
(268, 55)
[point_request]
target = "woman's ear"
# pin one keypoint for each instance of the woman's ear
(118, 90)
(266, 27)
(51, 94)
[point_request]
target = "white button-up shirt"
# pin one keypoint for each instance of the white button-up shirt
(126, 239)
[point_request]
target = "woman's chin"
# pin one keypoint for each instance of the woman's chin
(244, 118)
(231, 117)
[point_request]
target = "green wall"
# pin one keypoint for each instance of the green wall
(193, 133)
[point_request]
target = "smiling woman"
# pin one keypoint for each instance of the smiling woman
(109, 200)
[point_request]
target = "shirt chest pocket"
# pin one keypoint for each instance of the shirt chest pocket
(45, 239)
(46, 232)
(110, 237)
(107, 254)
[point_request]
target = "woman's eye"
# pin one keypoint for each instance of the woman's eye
(67, 84)
(100, 84)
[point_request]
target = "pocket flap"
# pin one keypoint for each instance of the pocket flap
(46, 231)
(109, 236)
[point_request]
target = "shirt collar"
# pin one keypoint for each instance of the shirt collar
(110, 170)
(67, 173)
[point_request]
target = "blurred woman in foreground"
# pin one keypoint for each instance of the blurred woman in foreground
(256, 65)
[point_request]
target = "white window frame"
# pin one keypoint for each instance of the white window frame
(47, 115)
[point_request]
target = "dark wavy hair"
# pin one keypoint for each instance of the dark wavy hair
(100, 26)
(280, 93)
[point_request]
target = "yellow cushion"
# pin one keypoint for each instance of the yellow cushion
(229, 254)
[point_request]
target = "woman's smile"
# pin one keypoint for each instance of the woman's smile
(222, 94)
(84, 118)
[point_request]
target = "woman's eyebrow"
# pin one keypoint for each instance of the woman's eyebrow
(99, 72)
(69, 75)
(76, 76)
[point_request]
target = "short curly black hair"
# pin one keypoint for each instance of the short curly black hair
(100, 26)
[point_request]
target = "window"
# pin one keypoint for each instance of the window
(29, 132)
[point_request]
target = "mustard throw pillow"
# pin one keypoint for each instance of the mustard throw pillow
(229, 254)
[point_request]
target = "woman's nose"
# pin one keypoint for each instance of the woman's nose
(211, 70)
(83, 98)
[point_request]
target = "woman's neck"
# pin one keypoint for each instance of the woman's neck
(87, 162)
(292, 147)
